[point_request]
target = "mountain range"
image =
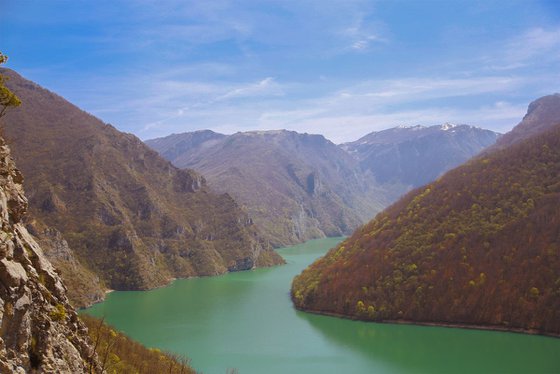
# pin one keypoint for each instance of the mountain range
(295, 186)
(411, 156)
(478, 247)
(298, 187)
(110, 212)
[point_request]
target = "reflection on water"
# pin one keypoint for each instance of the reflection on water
(424, 349)
(246, 321)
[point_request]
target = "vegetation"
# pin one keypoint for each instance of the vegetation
(124, 213)
(117, 353)
(479, 246)
(7, 97)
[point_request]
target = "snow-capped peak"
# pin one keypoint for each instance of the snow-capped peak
(448, 126)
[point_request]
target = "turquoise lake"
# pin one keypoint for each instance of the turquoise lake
(246, 321)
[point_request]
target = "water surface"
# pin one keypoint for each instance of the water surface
(246, 321)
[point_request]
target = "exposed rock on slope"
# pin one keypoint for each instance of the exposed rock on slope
(296, 187)
(541, 115)
(478, 247)
(128, 215)
(40, 331)
(413, 156)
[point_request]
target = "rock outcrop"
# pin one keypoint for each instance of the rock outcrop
(40, 331)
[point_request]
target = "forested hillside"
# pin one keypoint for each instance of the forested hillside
(480, 247)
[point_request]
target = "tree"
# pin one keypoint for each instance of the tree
(7, 97)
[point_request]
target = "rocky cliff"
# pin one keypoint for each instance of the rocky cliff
(40, 331)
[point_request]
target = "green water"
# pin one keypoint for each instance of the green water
(246, 321)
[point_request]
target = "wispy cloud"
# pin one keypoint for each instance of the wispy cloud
(345, 114)
(534, 43)
(265, 87)
(529, 49)
(361, 36)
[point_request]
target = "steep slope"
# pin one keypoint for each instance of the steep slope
(542, 114)
(40, 331)
(478, 247)
(295, 186)
(413, 156)
(128, 215)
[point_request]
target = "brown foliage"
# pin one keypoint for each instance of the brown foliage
(131, 217)
(479, 246)
(117, 353)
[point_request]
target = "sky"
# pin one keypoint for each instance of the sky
(341, 68)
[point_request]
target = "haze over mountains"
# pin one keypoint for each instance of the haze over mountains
(411, 156)
(299, 186)
(477, 247)
(295, 186)
(110, 212)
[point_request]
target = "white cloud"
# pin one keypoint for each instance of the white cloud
(361, 35)
(266, 87)
(532, 48)
(534, 43)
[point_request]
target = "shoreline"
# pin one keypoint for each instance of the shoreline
(516, 330)
(168, 283)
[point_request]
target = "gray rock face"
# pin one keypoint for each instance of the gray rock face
(39, 330)
(416, 155)
(295, 186)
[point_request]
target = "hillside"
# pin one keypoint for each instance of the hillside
(120, 354)
(413, 156)
(111, 212)
(478, 247)
(295, 186)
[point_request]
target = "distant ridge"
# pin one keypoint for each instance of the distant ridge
(415, 155)
(295, 186)
(270, 172)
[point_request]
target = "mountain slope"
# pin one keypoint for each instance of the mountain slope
(541, 115)
(478, 247)
(128, 215)
(295, 186)
(40, 331)
(414, 156)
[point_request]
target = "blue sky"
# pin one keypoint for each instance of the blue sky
(339, 68)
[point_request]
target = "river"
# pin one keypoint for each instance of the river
(246, 321)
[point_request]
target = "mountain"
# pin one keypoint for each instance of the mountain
(413, 156)
(40, 330)
(295, 186)
(478, 247)
(275, 168)
(110, 211)
(541, 115)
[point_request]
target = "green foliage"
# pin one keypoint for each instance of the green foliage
(478, 246)
(118, 354)
(7, 98)
(58, 313)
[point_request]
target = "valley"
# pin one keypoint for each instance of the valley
(247, 187)
(246, 321)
